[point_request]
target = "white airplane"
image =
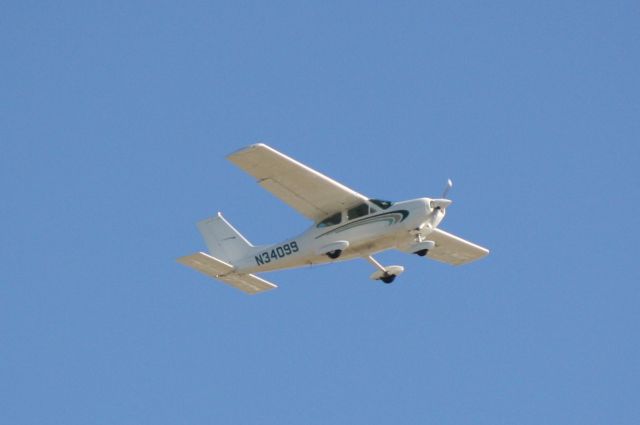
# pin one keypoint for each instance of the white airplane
(347, 225)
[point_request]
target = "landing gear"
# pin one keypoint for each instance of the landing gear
(388, 278)
(386, 274)
(421, 252)
(334, 254)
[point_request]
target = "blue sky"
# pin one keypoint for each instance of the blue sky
(115, 121)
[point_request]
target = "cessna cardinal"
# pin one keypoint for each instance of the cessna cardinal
(347, 225)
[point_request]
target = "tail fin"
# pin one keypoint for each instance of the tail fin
(223, 240)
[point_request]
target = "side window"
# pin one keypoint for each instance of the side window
(359, 211)
(382, 204)
(331, 220)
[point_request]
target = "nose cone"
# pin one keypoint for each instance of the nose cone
(440, 204)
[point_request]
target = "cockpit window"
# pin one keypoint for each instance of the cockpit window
(331, 220)
(382, 204)
(359, 211)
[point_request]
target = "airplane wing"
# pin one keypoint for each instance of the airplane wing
(453, 250)
(218, 269)
(309, 192)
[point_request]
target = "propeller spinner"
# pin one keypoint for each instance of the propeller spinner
(441, 204)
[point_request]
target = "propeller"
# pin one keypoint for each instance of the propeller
(442, 203)
(447, 188)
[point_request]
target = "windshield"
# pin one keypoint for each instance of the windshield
(382, 204)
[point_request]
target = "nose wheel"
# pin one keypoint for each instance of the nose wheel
(388, 278)
(386, 274)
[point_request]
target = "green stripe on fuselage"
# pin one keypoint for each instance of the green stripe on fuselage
(392, 217)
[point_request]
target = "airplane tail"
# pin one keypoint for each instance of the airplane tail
(223, 240)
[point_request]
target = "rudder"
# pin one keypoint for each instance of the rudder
(223, 240)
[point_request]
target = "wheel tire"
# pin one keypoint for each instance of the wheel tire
(388, 278)
(422, 252)
(334, 254)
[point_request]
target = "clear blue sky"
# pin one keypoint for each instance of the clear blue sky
(115, 119)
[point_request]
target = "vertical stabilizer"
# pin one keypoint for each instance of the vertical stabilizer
(223, 240)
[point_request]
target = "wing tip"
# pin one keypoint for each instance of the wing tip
(254, 146)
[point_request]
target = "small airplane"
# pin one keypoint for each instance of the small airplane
(347, 225)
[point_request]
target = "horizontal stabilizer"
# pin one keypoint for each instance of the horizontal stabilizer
(453, 250)
(218, 269)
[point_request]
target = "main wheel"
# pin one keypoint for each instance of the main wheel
(422, 252)
(388, 278)
(334, 254)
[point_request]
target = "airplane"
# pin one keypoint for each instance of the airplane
(346, 225)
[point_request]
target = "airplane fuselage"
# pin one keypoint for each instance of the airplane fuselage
(376, 231)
